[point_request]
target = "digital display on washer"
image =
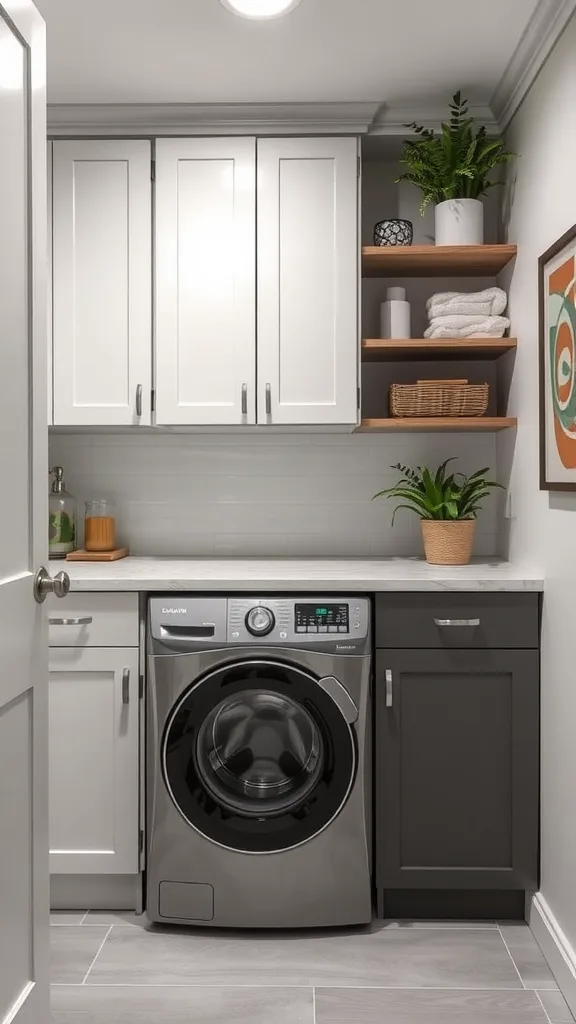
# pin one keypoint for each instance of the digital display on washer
(321, 618)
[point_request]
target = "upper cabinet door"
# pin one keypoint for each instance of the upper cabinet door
(308, 277)
(102, 353)
(205, 281)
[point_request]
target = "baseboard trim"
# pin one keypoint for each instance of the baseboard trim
(94, 892)
(560, 955)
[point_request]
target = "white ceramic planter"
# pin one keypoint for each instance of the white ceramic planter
(460, 222)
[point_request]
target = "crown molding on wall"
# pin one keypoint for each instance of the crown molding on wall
(373, 118)
(211, 118)
(392, 120)
(545, 27)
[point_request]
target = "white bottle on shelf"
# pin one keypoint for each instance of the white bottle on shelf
(395, 314)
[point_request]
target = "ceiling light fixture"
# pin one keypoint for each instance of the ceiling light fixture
(260, 8)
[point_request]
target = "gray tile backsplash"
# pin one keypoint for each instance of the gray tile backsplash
(262, 495)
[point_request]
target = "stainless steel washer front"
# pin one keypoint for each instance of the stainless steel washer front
(258, 773)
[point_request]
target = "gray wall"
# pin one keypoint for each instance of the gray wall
(540, 206)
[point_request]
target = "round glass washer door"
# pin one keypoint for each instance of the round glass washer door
(259, 752)
(258, 757)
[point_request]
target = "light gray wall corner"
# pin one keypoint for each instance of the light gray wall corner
(548, 22)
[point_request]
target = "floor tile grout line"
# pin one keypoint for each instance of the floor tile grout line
(63, 925)
(85, 916)
(511, 957)
(100, 948)
(299, 985)
(313, 1004)
(537, 994)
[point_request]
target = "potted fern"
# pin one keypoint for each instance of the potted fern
(447, 505)
(453, 170)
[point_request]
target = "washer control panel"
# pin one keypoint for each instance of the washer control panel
(183, 622)
(322, 618)
(297, 620)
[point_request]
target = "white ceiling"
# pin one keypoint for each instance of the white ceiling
(194, 51)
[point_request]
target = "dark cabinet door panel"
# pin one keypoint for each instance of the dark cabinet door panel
(457, 769)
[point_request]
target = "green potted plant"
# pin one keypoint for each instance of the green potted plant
(452, 170)
(447, 505)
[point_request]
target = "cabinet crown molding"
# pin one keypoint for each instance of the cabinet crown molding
(124, 119)
(539, 38)
(392, 120)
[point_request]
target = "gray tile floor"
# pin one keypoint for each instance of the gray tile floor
(111, 968)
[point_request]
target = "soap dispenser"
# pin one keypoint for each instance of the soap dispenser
(62, 523)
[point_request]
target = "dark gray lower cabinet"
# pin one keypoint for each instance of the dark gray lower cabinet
(457, 769)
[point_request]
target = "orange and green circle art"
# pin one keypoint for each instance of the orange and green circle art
(562, 359)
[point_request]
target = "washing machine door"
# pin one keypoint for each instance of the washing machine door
(258, 757)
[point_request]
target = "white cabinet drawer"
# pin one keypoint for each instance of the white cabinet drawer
(93, 620)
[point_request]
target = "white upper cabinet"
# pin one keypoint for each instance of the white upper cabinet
(308, 279)
(256, 275)
(205, 281)
(102, 352)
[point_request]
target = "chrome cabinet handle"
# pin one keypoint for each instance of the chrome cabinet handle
(268, 399)
(456, 622)
(139, 400)
(388, 677)
(126, 686)
(244, 399)
(84, 621)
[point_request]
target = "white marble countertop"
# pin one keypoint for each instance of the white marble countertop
(294, 574)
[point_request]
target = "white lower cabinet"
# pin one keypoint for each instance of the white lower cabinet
(94, 733)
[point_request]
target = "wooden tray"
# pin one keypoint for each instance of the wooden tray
(97, 556)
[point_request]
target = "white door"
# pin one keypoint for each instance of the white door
(205, 281)
(23, 538)
(50, 409)
(102, 288)
(308, 278)
(94, 716)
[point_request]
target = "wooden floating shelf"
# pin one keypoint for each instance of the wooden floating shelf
(435, 260)
(381, 350)
(436, 423)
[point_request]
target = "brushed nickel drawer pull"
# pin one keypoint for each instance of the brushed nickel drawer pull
(139, 400)
(244, 399)
(388, 676)
(85, 620)
(126, 686)
(268, 399)
(456, 622)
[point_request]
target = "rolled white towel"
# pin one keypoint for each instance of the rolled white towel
(468, 327)
(489, 302)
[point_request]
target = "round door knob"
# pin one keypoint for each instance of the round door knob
(45, 584)
(260, 621)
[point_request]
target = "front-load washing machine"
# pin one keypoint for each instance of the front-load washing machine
(258, 761)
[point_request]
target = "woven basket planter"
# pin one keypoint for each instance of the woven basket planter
(448, 543)
(438, 398)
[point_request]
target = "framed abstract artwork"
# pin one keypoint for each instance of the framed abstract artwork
(557, 295)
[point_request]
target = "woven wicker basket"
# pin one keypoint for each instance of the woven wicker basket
(439, 398)
(448, 543)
